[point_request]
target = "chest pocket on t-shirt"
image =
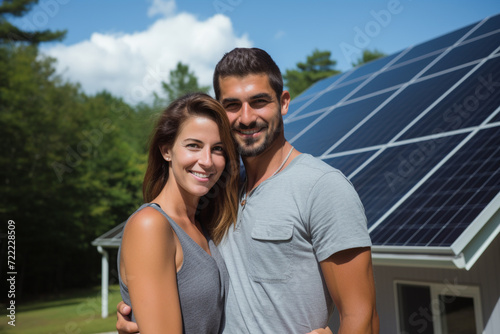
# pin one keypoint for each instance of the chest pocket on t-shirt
(271, 252)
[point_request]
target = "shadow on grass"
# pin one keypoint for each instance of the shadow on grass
(68, 298)
(76, 311)
(35, 307)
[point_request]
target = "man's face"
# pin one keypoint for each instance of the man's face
(254, 112)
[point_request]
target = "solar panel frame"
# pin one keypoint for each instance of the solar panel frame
(405, 85)
(347, 163)
(335, 124)
(320, 86)
(466, 157)
(433, 170)
(362, 72)
(313, 97)
(393, 173)
(496, 119)
(462, 114)
(471, 50)
(327, 98)
(357, 161)
(439, 99)
(389, 118)
(441, 43)
(361, 85)
(490, 25)
(396, 75)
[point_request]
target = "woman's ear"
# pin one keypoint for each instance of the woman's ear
(165, 152)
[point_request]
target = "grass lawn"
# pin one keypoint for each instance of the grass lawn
(75, 312)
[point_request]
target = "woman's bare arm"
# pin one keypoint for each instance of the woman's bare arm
(148, 268)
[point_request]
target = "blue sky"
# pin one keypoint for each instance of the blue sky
(128, 46)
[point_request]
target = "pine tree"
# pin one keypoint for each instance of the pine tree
(11, 33)
(317, 67)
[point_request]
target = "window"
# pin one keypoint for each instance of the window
(438, 308)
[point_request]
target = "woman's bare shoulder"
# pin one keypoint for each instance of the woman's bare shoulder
(148, 223)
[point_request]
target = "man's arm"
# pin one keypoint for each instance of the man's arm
(123, 323)
(349, 278)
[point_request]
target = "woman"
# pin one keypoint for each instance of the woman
(170, 270)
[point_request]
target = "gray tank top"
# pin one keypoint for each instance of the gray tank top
(202, 283)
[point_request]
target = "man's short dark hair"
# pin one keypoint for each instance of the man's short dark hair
(241, 62)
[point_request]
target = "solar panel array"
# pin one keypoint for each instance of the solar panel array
(416, 132)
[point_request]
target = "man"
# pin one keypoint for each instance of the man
(300, 241)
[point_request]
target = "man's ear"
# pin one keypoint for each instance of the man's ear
(165, 152)
(285, 102)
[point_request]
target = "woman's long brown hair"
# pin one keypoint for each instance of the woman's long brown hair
(216, 210)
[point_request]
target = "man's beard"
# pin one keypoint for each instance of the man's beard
(246, 150)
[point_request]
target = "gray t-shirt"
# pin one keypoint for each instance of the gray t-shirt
(289, 223)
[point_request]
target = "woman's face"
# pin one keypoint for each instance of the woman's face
(197, 156)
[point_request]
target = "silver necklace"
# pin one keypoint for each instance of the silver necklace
(244, 201)
(283, 163)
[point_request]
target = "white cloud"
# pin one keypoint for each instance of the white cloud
(279, 34)
(162, 7)
(133, 65)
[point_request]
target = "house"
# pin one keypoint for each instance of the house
(418, 134)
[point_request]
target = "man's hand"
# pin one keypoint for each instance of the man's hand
(123, 324)
(326, 330)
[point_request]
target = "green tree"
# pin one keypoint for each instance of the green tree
(181, 81)
(368, 56)
(9, 32)
(70, 170)
(318, 66)
(71, 165)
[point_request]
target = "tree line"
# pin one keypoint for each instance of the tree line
(72, 164)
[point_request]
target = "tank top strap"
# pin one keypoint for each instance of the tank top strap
(187, 243)
(181, 234)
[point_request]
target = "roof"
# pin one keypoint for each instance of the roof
(110, 239)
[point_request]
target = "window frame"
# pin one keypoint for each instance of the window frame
(436, 289)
